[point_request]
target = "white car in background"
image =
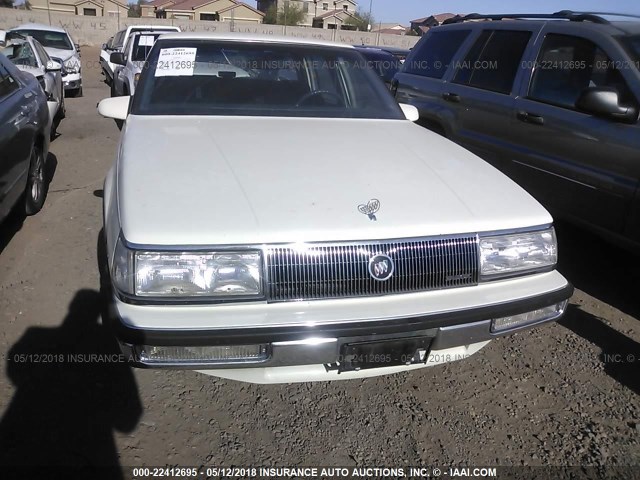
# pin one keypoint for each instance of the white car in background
(60, 47)
(129, 62)
(28, 55)
(238, 248)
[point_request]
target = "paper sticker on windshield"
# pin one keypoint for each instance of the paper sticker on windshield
(146, 41)
(176, 62)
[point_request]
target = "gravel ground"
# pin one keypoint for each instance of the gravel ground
(562, 394)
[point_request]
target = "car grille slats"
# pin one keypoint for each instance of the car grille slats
(319, 271)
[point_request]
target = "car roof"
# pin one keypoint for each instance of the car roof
(38, 26)
(612, 23)
(248, 37)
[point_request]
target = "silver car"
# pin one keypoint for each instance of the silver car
(129, 62)
(28, 55)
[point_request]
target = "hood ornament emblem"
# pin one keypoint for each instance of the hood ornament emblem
(370, 208)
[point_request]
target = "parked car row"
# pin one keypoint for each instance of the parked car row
(38, 65)
(551, 100)
(119, 43)
(235, 249)
(24, 140)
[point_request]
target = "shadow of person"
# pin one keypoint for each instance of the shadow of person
(73, 389)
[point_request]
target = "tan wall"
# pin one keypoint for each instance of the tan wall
(97, 30)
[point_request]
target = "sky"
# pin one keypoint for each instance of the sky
(403, 11)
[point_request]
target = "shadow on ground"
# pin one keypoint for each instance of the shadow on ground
(73, 390)
(606, 272)
(620, 354)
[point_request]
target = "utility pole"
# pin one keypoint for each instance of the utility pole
(369, 19)
(49, 12)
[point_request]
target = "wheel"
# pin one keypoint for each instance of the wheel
(75, 93)
(62, 111)
(36, 191)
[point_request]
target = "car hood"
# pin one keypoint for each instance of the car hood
(63, 55)
(247, 180)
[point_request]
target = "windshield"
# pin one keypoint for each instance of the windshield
(632, 43)
(231, 78)
(50, 39)
(20, 54)
(142, 45)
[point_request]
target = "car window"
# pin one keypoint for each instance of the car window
(384, 64)
(142, 45)
(632, 44)
(435, 52)
(7, 83)
(193, 77)
(21, 54)
(50, 39)
(493, 61)
(567, 65)
(117, 40)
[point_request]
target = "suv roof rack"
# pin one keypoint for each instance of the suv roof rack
(595, 17)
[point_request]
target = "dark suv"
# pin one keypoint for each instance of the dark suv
(551, 100)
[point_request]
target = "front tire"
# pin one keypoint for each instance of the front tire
(36, 191)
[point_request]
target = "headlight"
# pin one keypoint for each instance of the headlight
(220, 274)
(72, 65)
(504, 255)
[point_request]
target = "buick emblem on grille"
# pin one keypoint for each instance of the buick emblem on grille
(370, 208)
(381, 267)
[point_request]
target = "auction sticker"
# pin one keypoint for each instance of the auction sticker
(146, 41)
(176, 62)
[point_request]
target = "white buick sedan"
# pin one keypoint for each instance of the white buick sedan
(274, 216)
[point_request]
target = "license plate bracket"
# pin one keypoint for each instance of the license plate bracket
(383, 353)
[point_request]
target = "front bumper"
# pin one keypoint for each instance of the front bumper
(72, 81)
(307, 347)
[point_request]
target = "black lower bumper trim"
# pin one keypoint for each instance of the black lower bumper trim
(250, 336)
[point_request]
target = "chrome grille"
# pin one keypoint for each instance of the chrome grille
(317, 271)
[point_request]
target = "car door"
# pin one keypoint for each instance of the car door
(419, 83)
(579, 165)
(480, 92)
(119, 75)
(54, 77)
(16, 138)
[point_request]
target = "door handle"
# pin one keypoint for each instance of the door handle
(530, 118)
(451, 97)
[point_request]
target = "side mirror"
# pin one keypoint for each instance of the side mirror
(77, 45)
(3, 37)
(605, 102)
(117, 58)
(104, 46)
(53, 66)
(410, 112)
(115, 107)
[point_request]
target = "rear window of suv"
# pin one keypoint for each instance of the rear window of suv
(435, 53)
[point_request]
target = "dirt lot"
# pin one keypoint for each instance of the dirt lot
(563, 394)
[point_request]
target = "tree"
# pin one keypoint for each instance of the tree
(361, 20)
(6, 3)
(290, 15)
(135, 10)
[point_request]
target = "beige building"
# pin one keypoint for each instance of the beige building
(91, 8)
(207, 10)
(311, 8)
